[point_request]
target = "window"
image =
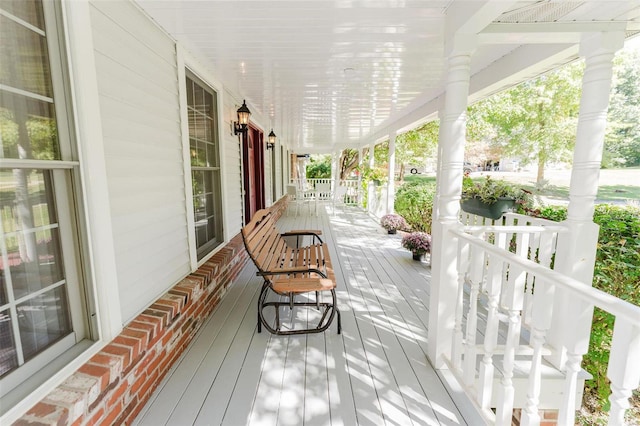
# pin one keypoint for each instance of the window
(41, 315)
(202, 111)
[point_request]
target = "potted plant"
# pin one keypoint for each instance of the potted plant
(491, 198)
(417, 243)
(392, 222)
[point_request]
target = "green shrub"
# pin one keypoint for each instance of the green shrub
(414, 202)
(617, 272)
(319, 170)
(556, 213)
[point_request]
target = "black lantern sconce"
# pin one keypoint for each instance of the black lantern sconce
(271, 142)
(240, 126)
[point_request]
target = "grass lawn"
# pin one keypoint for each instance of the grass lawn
(617, 186)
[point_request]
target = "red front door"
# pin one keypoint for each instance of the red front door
(253, 160)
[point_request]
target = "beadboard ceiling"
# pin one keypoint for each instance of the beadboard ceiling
(326, 74)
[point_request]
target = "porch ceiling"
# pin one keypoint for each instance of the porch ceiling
(326, 74)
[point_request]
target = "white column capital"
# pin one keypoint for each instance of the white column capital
(601, 43)
(462, 44)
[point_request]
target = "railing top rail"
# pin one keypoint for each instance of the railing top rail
(515, 228)
(605, 301)
(528, 218)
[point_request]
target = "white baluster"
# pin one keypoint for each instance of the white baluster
(546, 248)
(487, 368)
(502, 242)
(475, 275)
(530, 415)
(567, 412)
(512, 299)
(463, 265)
(534, 245)
(623, 369)
(619, 399)
(541, 321)
(506, 391)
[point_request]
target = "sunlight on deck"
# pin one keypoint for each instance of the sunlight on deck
(376, 372)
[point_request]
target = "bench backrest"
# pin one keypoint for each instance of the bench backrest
(262, 240)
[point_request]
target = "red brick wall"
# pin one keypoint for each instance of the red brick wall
(117, 382)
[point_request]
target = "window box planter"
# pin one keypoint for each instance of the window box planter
(493, 210)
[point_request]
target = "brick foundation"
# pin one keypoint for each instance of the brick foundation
(117, 382)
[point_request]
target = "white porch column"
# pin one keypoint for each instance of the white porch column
(444, 250)
(360, 161)
(435, 213)
(301, 167)
(576, 251)
(335, 172)
(370, 189)
(391, 191)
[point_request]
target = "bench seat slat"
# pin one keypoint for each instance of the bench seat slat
(272, 246)
(302, 285)
(256, 233)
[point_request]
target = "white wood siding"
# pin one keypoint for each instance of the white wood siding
(231, 156)
(139, 102)
(268, 178)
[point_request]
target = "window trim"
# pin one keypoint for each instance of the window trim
(187, 63)
(69, 192)
(100, 263)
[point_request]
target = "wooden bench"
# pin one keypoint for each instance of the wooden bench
(290, 270)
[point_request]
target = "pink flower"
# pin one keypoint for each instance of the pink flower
(417, 242)
(392, 221)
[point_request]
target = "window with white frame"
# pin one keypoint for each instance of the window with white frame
(202, 109)
(42, 314)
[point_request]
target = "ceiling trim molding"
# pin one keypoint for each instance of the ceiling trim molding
(544, 33)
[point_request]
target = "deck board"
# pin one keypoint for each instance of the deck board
(376, 372)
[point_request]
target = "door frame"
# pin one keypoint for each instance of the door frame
(253, 171)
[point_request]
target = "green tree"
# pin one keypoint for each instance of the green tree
(381, 155)
(622, 138)
(348, 162)
(415, 146)
(536, 120)
(319, 167)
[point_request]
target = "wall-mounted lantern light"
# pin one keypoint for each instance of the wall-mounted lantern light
(240, 126)
(271, 143)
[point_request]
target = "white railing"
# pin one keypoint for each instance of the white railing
(506, 290)
(351, 197)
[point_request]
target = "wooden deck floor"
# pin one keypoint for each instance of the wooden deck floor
(376, 372)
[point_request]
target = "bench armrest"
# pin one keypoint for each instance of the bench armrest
(304, 232)
(286, 271)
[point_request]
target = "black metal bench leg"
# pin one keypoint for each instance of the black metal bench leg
(261, 300)
(334, 299)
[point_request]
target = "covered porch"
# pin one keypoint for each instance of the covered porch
(376, 372)
(156, 178)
